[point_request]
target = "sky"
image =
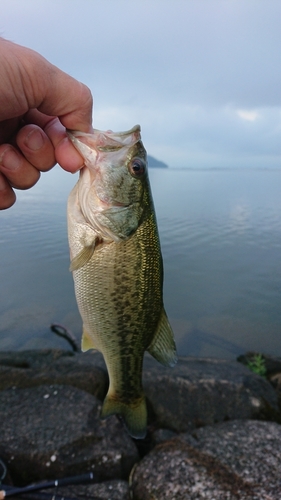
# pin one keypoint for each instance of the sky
(201, 77)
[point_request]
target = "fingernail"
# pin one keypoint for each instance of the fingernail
(34, 140)
(10, 159)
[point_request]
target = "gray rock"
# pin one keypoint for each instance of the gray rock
(33, 368)
(50, 427)
(251, 449)
(199, 392)
(55, 431)
(109, 490)
(162, 435)
(33, 358)
(275, 380)
(237, 460)
(173, 471)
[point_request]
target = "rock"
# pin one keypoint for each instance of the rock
(109, 490)
(237, 460)
(55, 431)
(161, 435)
(276, 380)
(196, 392)
(33, 358)
(50, 427)
(33, 368)
(201, 391)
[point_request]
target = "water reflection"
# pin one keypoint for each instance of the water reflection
(240, 219)
(221, 240)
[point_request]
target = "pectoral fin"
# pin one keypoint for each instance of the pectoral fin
(163, 347)
(82, 257)
(86, 342)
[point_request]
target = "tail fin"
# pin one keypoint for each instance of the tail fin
(133, 414)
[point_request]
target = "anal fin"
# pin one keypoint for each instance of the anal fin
(87, 342)
(163, 347)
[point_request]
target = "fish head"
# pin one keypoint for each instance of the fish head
(113, 182)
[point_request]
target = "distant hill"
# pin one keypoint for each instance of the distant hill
(153, 163)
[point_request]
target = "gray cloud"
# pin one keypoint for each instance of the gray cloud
(203, 78)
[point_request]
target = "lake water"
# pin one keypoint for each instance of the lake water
(220, 233)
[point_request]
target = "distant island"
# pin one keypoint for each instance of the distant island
(153, 163)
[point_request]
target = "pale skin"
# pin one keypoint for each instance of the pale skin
(38, 102)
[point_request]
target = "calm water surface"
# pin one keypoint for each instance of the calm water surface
(221, 240)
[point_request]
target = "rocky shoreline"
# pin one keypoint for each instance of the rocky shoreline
(213, 428)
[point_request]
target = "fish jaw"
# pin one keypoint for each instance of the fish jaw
(92, 146)
(104, 141)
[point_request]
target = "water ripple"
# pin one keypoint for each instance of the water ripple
(221, 240)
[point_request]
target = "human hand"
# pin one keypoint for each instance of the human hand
(38, 102)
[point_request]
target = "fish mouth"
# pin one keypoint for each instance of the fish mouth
(103, 141)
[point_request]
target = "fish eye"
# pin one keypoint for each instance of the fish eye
(137, 167)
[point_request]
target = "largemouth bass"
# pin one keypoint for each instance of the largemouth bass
(117, 267)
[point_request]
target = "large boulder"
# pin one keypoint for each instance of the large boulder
(55, 431)
(195, 392)
(33, 368)
(50, 427)
(237, 460)
(202, 391)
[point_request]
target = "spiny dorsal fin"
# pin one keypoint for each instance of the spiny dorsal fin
(163, 347)
(82, 257)
(87, 342)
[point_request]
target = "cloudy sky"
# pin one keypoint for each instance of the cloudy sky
(202, 77)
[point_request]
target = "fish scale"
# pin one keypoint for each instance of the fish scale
(117, 268)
